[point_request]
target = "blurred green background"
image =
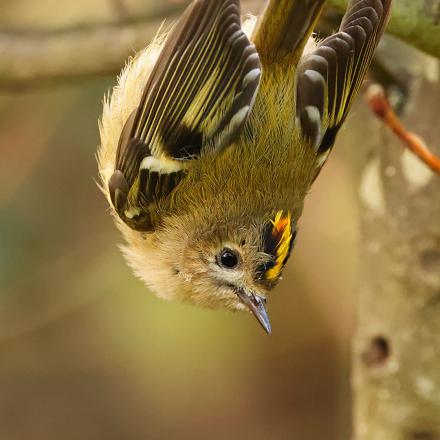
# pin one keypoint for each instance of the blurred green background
(87, 352)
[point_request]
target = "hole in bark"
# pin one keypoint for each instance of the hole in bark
(377, 352)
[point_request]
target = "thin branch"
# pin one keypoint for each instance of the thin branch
(35, 58)
(378, 102)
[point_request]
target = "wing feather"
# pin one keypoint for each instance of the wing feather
(340, 62)
(196, 100)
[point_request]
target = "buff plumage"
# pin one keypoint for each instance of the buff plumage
(213, 137)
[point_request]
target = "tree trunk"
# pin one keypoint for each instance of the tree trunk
(396, 351)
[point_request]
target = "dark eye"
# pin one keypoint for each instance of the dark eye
(227, 259)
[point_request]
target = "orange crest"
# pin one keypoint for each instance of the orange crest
(278, 243)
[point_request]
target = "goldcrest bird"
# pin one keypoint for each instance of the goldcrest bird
(214, 135)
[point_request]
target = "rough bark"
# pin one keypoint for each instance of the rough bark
(396, 352)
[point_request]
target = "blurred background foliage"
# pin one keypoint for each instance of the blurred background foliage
(86, 352)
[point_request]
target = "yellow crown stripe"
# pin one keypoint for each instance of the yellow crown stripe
(282, 232)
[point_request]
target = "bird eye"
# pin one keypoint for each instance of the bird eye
(227, 259)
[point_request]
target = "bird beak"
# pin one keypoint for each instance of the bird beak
(256, 305)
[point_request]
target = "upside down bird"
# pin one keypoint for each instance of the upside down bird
(214, 135)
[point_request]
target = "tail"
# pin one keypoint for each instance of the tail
(284, 28)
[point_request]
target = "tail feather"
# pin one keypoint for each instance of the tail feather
(284, 28)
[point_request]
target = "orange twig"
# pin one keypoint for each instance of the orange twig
(379, 103)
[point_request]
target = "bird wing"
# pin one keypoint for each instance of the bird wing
(329, 77)
(196, 101)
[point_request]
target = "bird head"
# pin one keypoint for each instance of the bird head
(234, 265)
